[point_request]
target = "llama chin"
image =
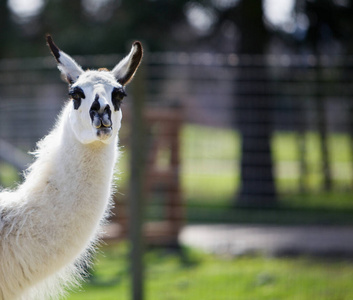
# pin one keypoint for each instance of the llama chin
(50, 224)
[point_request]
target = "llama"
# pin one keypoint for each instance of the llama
(50, 224)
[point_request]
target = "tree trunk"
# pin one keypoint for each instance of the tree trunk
(255, 114)
(257, 187)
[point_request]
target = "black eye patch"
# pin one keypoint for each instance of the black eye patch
(76, 94)
(118, 95)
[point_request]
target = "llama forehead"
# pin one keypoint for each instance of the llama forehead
(96, 78)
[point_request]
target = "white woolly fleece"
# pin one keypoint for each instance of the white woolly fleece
(49, 224)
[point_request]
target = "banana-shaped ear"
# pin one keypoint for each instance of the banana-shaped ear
(125, 70)
(68, 67)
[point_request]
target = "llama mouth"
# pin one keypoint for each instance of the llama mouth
(104, 132)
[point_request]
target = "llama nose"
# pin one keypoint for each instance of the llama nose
(100, 117)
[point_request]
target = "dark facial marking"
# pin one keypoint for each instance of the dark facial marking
(77, 94)
(118, 95)
(108, 111)
(94, 108)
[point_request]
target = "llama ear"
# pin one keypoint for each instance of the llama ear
(68, 67)
(125, 70)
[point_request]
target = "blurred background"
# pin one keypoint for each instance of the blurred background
(246, 130)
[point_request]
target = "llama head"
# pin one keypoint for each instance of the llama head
(95, 113)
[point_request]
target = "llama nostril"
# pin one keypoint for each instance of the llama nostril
(97, 121)
(106, 116)
(106, 120)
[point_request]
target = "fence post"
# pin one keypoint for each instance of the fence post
(136, 201)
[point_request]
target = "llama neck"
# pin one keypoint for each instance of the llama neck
(84, 170)
(71, 182)
(62, 202)
(85, 165)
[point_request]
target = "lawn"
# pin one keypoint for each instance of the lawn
(210, 168)
(196, 275)
(210, 178)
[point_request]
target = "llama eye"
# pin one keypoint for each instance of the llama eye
(118, 95)
(76, 94)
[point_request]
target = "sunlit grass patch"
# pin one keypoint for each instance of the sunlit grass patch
(196, 275)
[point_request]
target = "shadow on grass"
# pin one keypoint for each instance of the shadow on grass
(319, 209)
(157, 260)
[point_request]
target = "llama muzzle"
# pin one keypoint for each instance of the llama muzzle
(101, 120)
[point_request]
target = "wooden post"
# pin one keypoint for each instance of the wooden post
(174, 209)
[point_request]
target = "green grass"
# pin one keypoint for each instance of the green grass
(197, 275)
(210, 178)
(8, 175)
(287, 156)
(210, 164)
(210, 168)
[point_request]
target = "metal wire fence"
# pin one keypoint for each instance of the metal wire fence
(300, 105)
(222, 132)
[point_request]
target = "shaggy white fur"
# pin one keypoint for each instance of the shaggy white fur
(50, 224)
